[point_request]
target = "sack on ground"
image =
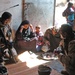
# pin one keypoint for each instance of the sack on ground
(45, 48)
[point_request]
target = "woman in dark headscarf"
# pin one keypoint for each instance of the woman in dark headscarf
(24, 31)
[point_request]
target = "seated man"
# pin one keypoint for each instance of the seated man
(52, 39)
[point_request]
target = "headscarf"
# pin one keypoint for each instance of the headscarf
(23, 23)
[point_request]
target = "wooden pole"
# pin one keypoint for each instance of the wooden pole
(23, 2)
(54, 12)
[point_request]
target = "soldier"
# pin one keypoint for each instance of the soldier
(6, 33)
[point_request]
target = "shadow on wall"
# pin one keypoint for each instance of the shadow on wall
(40, 13)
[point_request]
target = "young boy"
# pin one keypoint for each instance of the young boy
(39, 36)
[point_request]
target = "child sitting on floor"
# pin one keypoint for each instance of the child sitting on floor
(39, 35)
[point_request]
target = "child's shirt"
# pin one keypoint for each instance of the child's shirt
(71, 16)
(39, 36)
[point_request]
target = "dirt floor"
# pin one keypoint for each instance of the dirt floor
(30, 66)
(22, 69)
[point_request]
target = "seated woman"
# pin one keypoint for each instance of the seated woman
(39, 36)
(24, 31)
(25, 38)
